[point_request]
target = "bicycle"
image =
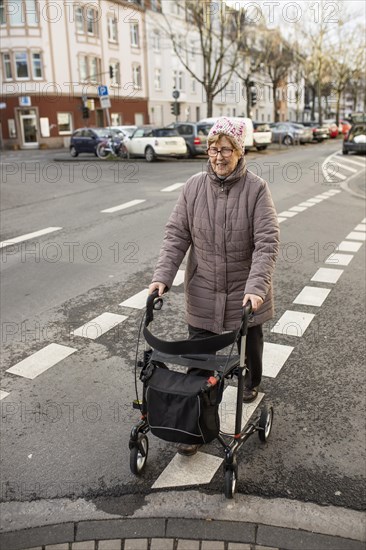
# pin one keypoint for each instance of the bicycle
(112, 147)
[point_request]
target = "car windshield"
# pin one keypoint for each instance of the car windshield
(101, 132)
(203, 130)
(165, 132)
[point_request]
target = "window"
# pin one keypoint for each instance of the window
(112, 29)
(64, 123)
(92, 21)
(154, 4)
(193, 85)
(21, 65)
(136, 76)
(134, 34)
(16, 15)
(31, 8)
(7, 66)
(156, 41)
(115, 74)
(37, 65)
(157, 79)
(79, 20)
(180, 83)
(83, 67)
(93, 69)
(2, 13)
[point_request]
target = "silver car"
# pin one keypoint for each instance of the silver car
(290, 133)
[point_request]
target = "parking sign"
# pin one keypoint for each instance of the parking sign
(103, 91)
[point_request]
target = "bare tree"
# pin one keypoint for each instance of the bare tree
(219, 29)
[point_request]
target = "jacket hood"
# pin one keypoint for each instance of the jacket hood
(232, 178)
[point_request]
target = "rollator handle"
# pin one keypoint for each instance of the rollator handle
(247, 310)
(153, 302)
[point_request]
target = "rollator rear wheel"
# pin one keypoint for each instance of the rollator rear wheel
(265, 424)
(138, 455)
(230, 482)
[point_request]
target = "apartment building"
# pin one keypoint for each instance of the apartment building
(54, 55)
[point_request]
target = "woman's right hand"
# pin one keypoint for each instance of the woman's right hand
(157, 286)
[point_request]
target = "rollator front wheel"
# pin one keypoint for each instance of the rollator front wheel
(265, 424)
(138, 455)
(230, 482)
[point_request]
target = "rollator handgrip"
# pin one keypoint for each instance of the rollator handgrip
(247, 310)
(151, 304)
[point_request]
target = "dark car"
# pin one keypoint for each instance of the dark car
(195, 135)
(320, 133)
(86, 140)
(355, 140)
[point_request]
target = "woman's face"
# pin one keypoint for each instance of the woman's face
(223, 166)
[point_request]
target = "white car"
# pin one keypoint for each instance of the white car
(150, 142)
(262, 135)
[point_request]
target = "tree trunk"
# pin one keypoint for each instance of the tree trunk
(275, 110)
(338, 106)
(209, 99)
(313, 103)
(319, 96)
(247, 88)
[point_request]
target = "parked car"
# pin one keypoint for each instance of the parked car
(249, 139)
(86, 140)
(289, 133)
(195, 135)
(262, 135)
(345, 126)
(355, 140)
(320, 133)
(151, 142)
(332, 127)
(128, 130)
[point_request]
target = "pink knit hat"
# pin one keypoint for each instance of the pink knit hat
(229, 127)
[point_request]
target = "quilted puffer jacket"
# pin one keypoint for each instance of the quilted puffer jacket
(231, 230)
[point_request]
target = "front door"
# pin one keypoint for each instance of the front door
(28, 125)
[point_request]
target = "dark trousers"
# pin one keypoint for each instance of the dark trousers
(253, 355)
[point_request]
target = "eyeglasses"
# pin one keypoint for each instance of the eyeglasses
(225, 151)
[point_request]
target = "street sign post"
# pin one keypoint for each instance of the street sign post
(103, 91)
(175, 95)
(105, 102)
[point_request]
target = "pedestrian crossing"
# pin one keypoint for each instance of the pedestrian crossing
(338, 168)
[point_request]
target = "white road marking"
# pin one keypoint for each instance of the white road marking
(347, 167)
(200, 468)
(312, 296)
(188, 470)
(293, 323)
(287, 214)
(349, 246)
(280, 220)
(98, 326)
(322, 196)
(298, 209)
(356, 236)
(307, 204)
(28, 236)
(315, 201)
(41, 361)
(364, 220)
(138, 301)
(179, 278)
(339, 259)
(172, 187)
(3, 394)
(122, 206)
(352, 161)
(274, 357)
(340, 176)
(360, 227)
(326, 275)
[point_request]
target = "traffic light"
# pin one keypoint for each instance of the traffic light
(85, 112)
(175, 108)
(253, 96)
(111, 71)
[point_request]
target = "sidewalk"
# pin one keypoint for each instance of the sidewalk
(187, 520)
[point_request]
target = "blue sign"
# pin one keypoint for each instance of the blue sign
(102, 91)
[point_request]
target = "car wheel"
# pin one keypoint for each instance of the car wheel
(73, 151)
(189, 154)
(149, 154)
(261, 147)
(287, 140)
(344, 152)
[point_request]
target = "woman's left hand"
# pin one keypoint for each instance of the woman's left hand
(257, 301)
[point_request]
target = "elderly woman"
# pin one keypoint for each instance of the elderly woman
(227, 220)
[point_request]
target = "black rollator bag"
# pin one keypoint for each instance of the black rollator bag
(182, 408)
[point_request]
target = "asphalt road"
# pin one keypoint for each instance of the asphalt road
(65, 432)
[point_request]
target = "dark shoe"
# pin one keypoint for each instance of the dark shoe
(187, 450)
(249, 395)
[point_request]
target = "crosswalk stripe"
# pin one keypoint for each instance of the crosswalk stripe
(327, 275)
(312, 296)
(280, 220)
(352, 161)
(122, 206)
(316, 201)
(274, 357)
(28, 236)
(287, 214)
(356, 236)
(172, 187)
(41, 361)
(339, 259)
(138, 301)
(307, 204)
(179, 278)
(3, 394)
(96, 327)
(347, 167)
(360, 227)
(349, 246)
(293, 323)
(297, 209)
